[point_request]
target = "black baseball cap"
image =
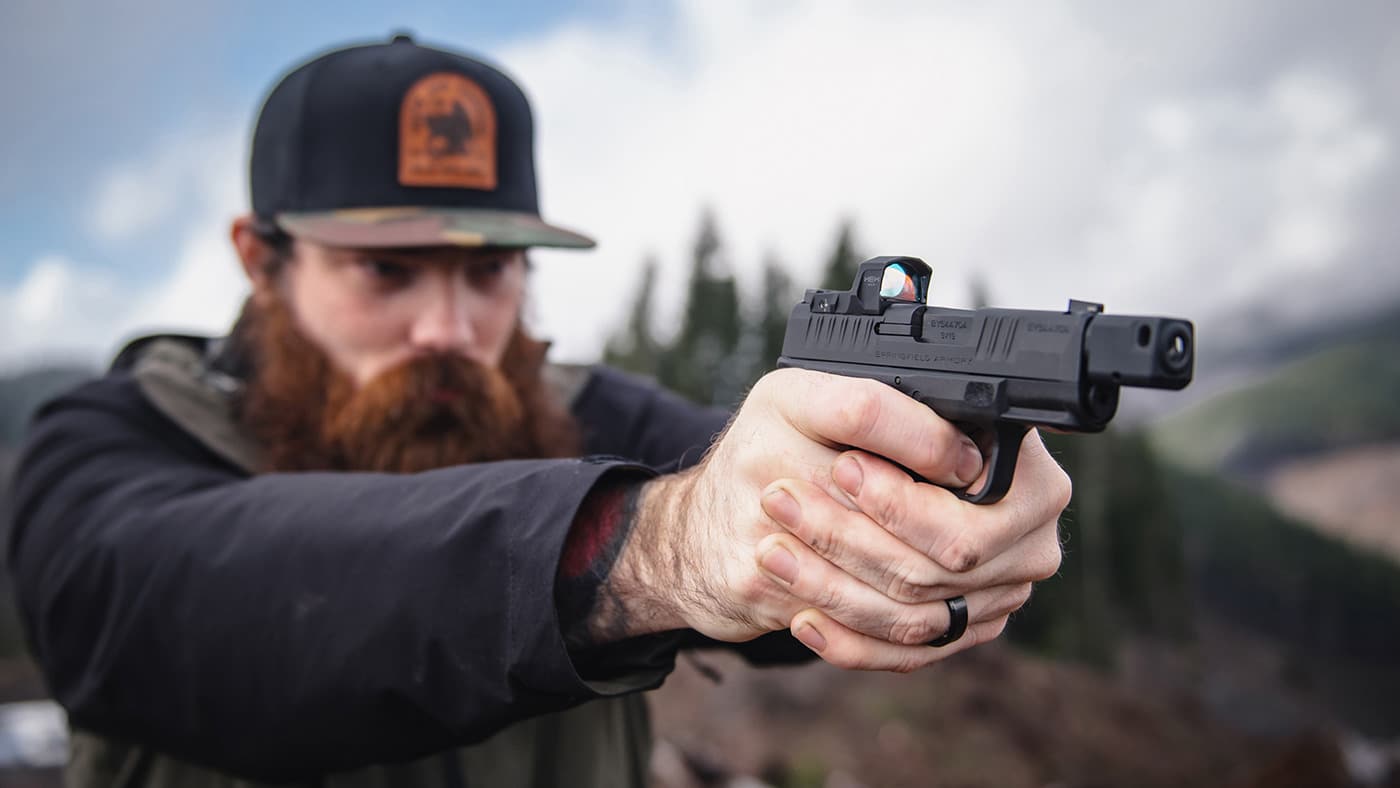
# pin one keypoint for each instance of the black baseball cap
(400, 145)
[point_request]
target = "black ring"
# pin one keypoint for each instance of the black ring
(957, 622)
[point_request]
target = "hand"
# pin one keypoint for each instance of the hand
(700, 531)
(876, 570)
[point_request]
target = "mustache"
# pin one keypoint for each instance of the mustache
(428, 411)
(426, 395)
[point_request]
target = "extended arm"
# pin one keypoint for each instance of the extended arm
(288, 623)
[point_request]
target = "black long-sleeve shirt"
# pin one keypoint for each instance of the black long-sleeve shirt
(285, 623)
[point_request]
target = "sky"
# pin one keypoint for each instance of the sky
(1213, 160)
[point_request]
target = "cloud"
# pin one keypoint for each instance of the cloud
(1185, 160)
(185, 176)
(784, 120)
(1054, 154)
(184, 189)
(56, 312)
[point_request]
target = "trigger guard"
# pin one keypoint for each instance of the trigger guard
(1006, 440)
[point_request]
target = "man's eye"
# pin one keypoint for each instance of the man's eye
(387, 271)
(487, 271)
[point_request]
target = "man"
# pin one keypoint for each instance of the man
(373, 538)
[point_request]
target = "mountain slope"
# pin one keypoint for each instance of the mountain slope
(1338, 397)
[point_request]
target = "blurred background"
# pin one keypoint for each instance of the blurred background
(1229, 608)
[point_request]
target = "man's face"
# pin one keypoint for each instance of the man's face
(398, 361)
(370, 310)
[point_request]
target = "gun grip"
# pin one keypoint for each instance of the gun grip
(1006, 437)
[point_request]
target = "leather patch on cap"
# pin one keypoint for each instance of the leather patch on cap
(447, 134)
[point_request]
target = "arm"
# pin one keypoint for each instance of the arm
(868, 564)
(288, 623)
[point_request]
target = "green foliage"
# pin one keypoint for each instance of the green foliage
(721, 347)
(1123, 571)
(1283, 578)
(840, 270)
(1148, 543)
(1336, 397)
(700, 363)
(635, 348)
(778, 298)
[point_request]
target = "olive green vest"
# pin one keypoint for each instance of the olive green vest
(606, 742)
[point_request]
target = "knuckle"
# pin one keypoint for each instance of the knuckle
(902, 589)
(838, 551)
(911, 586)
(815, 535)
(962, 555)
(825, 596)
(859, 411)
(911, 630)
(942, 452)
(883, 505)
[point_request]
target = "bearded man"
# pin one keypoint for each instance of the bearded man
(372, 537)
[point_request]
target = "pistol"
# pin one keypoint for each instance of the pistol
(993, 372)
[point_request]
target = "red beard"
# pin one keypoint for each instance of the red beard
(430, 412)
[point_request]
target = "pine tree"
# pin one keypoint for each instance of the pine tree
(841, 267)
(697, 362)
(773, 315)
(634, 348)
(1124, 571)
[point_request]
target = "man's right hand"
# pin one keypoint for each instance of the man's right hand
(783, 525)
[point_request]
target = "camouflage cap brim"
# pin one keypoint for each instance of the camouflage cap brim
(403, 227)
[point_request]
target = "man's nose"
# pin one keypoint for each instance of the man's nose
(443, 323)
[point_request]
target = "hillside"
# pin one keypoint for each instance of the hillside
(1153, 550)
(1323, 605)
(1319, 436)
(1335, 398)
(1353, 494)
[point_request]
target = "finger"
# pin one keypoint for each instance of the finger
(854, 542)
(1037, 556)
(1038, 496)
(814, 582)
(931, 520)
(854, 412)
(846, 648)
(956, 534)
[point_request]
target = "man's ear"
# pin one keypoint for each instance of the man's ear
(257, 257)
